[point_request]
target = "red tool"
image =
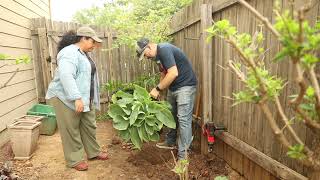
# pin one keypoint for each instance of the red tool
(209, 130)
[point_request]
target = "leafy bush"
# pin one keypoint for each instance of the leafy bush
(138, 117)
(146, 81)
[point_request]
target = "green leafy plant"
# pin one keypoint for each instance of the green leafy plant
(181, 168)
(138, 117)
(300, 45)
(146, 81)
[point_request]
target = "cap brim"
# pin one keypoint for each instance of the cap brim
(97, 39)
(142, 55)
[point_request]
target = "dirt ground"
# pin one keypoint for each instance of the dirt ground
(124, 163)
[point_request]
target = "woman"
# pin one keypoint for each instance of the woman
(74, 93)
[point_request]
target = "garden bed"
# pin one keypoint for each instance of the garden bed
(149, 163)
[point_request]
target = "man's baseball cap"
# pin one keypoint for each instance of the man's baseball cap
(141, 46)
(88, 32)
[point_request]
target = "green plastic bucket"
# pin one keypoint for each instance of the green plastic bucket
(48, 123)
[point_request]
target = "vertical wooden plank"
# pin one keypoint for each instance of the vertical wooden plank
(246, 167)
(237, 159)
(36, 60)
(206, 60)
(268, 134)
(257, 172)
(44, 56)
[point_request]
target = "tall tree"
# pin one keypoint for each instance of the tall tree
(133, 19)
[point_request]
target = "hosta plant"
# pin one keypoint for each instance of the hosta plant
(138, 117)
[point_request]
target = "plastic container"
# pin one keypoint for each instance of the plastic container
(48, 123)
(29, 118)
(24, 137)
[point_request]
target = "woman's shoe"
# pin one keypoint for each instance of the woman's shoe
(82, 166)
(102, 156)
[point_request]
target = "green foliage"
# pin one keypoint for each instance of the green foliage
(20, 59)
(296, 152)
(3, 56)
(221, 178)
(25, 59)
(295, 44)
(256, 76)
(132, 19)
(145, 81)
(181, 168)
(139, 118)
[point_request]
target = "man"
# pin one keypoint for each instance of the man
(178, 76)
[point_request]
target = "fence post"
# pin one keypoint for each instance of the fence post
(206, 64)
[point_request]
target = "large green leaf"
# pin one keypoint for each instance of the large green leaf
(124, 101)
(141, 115)
(124, 95)
(140, 93)
(114, 110)
(138, 122)
(143, 134)
(165, 116)
(114, 99)
(125, 134)
(135, 138)
(126, 110)
(158, 126)
(149, 129)
(151, 120)
(154, 137)
(119, 118)
(121, 125)
(153, 107)
(134, 115)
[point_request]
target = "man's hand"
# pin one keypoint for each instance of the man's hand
(79, 105)
(155, 93)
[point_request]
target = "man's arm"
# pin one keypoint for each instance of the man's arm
(172, 74)
(165, 81)
(162, 75)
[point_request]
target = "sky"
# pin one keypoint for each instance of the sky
(63, 10)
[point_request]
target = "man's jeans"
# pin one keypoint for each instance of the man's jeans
(182, 101)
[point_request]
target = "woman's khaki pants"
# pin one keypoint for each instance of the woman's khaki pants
(77, 131)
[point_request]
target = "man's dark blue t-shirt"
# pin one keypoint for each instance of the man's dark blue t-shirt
(169, 55)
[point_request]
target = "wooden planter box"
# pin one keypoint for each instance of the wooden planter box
(24, 137)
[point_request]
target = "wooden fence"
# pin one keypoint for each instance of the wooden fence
(113, 63)
(249, 146)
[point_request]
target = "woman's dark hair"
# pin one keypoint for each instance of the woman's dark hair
(68, 38)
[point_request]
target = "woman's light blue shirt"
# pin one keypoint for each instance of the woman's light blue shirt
(72, 79)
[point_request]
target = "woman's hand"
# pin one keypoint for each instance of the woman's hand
(79, 105)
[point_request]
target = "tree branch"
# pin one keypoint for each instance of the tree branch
(302, 83)
(261, 17)
(315, 127)
(286, 121)
(315, 85)
(240, 75)
(277, 131)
